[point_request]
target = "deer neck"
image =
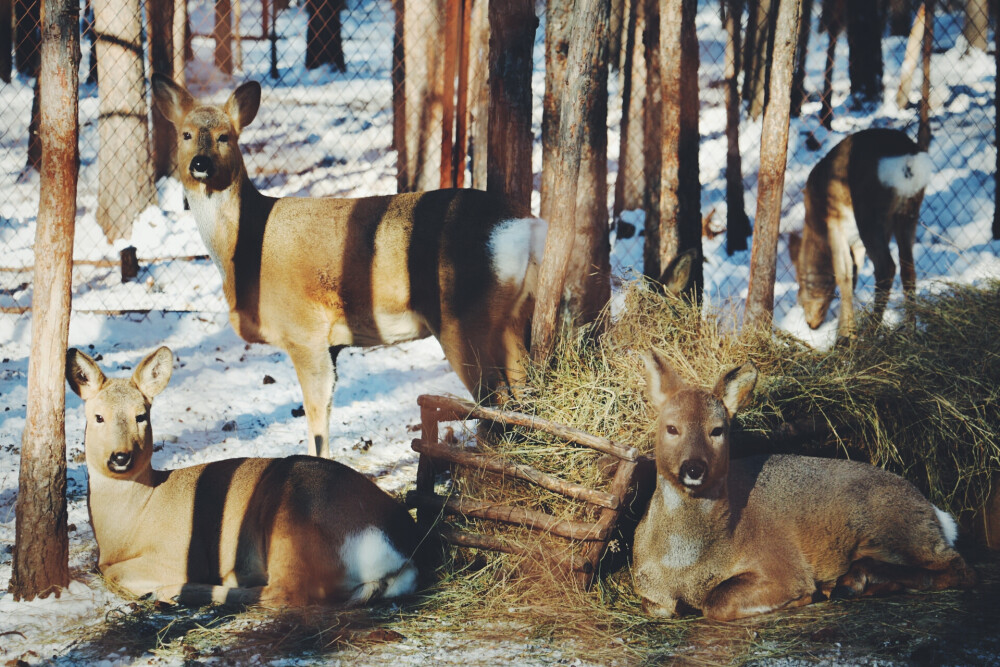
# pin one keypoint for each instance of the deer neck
(708, 510)
(116, 507)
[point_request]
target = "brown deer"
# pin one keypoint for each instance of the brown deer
(290, 531)
(863, 192)
(748, 536)
(313, 275)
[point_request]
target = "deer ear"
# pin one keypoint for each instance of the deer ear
(243, 104)
(662, 381)
(83, 374)
(153, 373)
(735, 388)
(173, 101)
(677, 276)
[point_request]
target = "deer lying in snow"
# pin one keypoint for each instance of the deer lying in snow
(289, 531)
(744, 537)
(866, 190)
(313, 275)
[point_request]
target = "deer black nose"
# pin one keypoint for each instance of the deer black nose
(120, 461)
(202, 167)
(693, 472)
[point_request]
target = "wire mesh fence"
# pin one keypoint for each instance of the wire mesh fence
(351, 108)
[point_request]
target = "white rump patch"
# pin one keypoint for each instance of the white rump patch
(681, 552)
(948, 526)
(371, 563)
(906, 174)
(513, 244)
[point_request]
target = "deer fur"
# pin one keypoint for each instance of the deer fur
(312, 275)
(749, 536)
(289, 531)
(865, 191)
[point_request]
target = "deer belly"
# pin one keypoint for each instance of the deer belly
(390, 327)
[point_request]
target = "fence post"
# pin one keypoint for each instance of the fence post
(41, 545)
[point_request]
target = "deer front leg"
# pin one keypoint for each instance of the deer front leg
(752, 593)
(316, 369)
(844, 272)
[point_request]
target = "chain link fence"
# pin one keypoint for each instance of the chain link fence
(346, 113)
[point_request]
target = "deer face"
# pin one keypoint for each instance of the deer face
(119, 437)
(208, 154)
(693, 424)
(815, 277)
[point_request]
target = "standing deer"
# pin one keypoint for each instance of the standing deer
(744, 537)
(863, 192)
(313, 275)
(290, 531)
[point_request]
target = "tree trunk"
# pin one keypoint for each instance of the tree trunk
(324, 42)
(629, 183)
(90, 32)
(223, 35)
(558, 20)
(6, 39)
(34, 161)
(460, 153)
(451, 49)
(864, 41)
(924, 127)
(479, 91)
(680, 187)
(124, 139)
(758, 65)
(161, 56)
(771, 179)
(899, 13)
(832, 20)
(586, 64)
(237, 37)
(512, 36)
(179, 32)
(616, 32)
(419, 81)
(801, 53)
(653, 139)
(912, 54)
(41, 546)
(737, 223)
(27, 36)
(977, 24)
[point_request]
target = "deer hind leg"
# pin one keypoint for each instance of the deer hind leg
(752, 593)
(316, 369)
(871, 577)
(906, 232)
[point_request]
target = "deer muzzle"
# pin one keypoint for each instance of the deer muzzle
(120, 462)
(201, 168)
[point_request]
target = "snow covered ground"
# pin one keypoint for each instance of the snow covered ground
(218, 404)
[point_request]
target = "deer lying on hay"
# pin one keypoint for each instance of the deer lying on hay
(289, 531)
(867, 189)
(313, 275)
(744, 537)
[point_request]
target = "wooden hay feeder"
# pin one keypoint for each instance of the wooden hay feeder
(593, 537)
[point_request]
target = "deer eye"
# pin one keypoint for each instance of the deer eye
(717, 432)
(671, 429)
(187, 136)
(99, 419)
(223, 138)
(141, 418)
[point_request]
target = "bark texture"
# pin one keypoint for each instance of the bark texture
(223, 34)
(479, 91)
(864, 39)
(629, 183)
(977, 24)
(41, 548)
(161, 57)
(737, 223)
(324, 41)
(771, 180)
(653, 138)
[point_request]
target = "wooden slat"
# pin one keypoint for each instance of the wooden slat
(464, 538)
(495, 465)
(533, 520)
(451, 408)
(624, 477)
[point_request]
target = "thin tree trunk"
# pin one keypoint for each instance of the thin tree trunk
(758, 66)
(737, 223)
(223, 34)
(864, 40)
(398, 78)
(833, 11)
(899, 12)
(801, 53)
(451, 49)
(680, 187)
(479, 91)
(924, 128)
(558, 20)
(653, 154)
(90, 31)
(27, 35)
(179, 38)
(122, 124)
(587, 58)
(324, 42)
(629, 183)
(34, 161)
(237, 37)
(771, 180)
(6, 39)
(460, 153)
(909, 66)
(977, 24)
(616, 32)
(161, 56)
(41, 546)
(512, 36)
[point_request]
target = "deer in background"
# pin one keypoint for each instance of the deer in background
(744, 537)
(863, 192)
(290, 531)
(313, 275)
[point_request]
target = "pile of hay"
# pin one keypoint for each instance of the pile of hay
(922, 401)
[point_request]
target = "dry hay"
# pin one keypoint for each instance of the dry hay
(920, 400)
